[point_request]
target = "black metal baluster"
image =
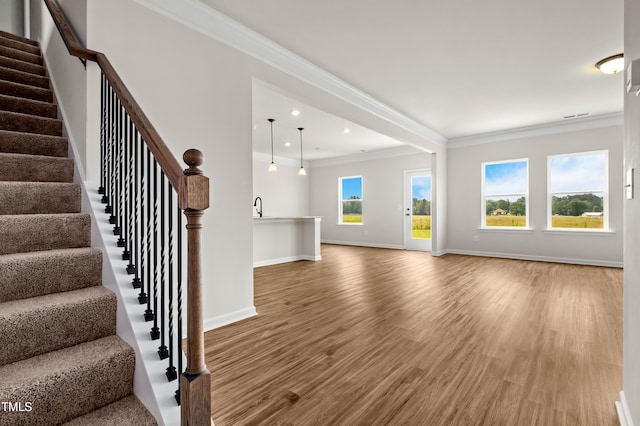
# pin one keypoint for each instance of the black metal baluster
(179, 277)
(163, 352)
(142, 296)
(110, 175)
(149, 314)
(171, 369)
(102, 132)
(155, 331)
(137, 208)
(115, 208)
(128, 166)
(124, 186)
(121, 187)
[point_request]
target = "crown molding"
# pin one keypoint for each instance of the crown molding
(214, 24)
(574, 125)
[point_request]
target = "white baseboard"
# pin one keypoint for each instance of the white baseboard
(589, 262)
(260, 263)
(374, 245)
(230, 318)
(623, 411)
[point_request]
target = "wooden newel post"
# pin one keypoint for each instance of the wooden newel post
(195, 382)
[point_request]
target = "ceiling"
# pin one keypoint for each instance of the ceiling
(460, 68)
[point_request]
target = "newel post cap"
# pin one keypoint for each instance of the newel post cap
(194, 159)
(195, 189)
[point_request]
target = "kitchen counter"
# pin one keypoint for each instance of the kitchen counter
(285, 239)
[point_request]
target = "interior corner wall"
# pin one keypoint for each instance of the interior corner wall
(439, 221)
(382, 199)
(197, 94)
(631, 312)
(283, 193)
(464, 200)
(68, 75)
(12, 16)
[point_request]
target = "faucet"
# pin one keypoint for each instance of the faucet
(255, 203)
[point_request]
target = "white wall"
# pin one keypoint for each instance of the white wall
(283, 193)
(12, 16)
(631, 312)
(68, 75)
(464, 206)
(383, 196)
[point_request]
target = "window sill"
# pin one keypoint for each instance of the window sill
(579, 231)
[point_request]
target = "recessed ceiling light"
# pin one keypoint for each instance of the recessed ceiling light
(287, 144)
(611, 65)
(295, 112)
(346, 130)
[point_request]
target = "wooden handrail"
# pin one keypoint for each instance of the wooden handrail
(159, 149)
(68, 36)
(193, 197)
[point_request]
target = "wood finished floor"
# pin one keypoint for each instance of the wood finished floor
(374, 337)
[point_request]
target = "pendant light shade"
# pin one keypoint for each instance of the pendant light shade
(272, 166)
(301, 172)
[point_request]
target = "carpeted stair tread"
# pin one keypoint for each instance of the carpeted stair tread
(38, 273)
(19, 45)
(36, 232)
(125, 412)
(39, 197)
(28, 106)
(22, 77)
(29, 143)
(18, 122)
(20, 55)
(35, 168)
(18, 38)
(23, 66)
(31, 327)
(25, 91)
(68, 383)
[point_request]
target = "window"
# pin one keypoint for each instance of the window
(505, 194)
(350, 200)
(578, 191)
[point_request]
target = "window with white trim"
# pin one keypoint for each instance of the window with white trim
(578, 191)
(505, 194)
(350, 200)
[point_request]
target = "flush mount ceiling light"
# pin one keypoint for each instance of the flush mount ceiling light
(295, 112)
(272, 166)
(301, 172)
(346, 130)
(611, 65)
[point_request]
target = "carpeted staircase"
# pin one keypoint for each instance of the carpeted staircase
(60, 360)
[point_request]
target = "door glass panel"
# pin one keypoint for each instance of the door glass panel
(421, 207)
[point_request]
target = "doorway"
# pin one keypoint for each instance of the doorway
(417, 210)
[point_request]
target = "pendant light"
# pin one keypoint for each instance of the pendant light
(301, 172)
(272, 166)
